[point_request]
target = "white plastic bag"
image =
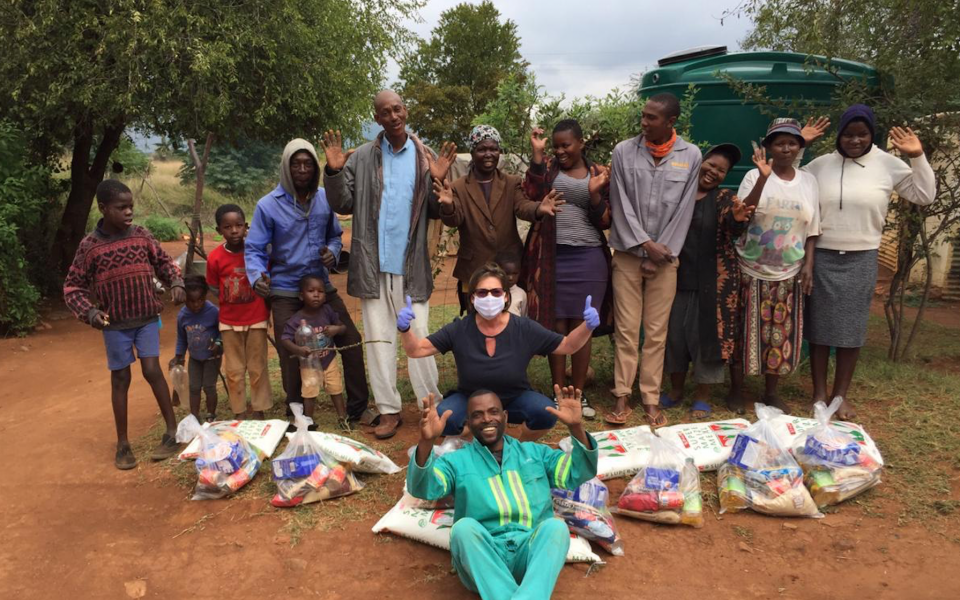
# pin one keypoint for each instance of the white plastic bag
(585, 512)
(709, 444)
(361, 457)
(788, 429)
(835, 465)
(180, 384)
(225, 463)
(265, 436)
(620, 451)
(432, 527)
(303, 474)
(762, 475)
(666, 489)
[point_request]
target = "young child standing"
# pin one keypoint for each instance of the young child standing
(510, 263)
(198, 330)
(321, 320)
(110, 287)
(243, 316)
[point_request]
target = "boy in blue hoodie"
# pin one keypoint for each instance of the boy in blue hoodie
(198, 330)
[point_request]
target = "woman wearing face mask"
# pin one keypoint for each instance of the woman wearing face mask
(566, 256)
(855, 184)
(492, 349)
(776, 262)
(484, 205)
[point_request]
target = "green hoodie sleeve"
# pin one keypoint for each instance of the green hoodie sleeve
(570, 471)
(432, 481)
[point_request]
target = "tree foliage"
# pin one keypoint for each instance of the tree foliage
(449, 79)
(77, 74)
(244, 169)
(915, 44)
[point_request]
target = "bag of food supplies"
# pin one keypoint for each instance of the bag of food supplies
(762, 475)
(303, 474)
(835, 465)
(666, 489)
(620, 451)
(361, 457)
(225, 462)
(585, 512)
(180, 384)
(432, 527)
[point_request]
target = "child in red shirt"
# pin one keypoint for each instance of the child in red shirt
(243, 316)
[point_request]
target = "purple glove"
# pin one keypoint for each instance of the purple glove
(406, 315)
(590, 315)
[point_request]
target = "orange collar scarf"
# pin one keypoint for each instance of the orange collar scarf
(661, 150)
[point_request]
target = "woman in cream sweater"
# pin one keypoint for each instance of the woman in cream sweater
(856, 182)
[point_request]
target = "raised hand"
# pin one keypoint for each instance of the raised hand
(906, 141)
(569, 411)
(432, 424)
(741, 211)
(760, 160)
(550, 205)
(405, 316)
(599, 179)
(538, 145)
(814, 128)
(441, 165)
(590, 315)
(262, 286)
(444, 192)
(332, 143)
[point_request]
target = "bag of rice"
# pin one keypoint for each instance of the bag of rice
(762, 475)
(585, 512)
(835, 465)
(303, 474)
(265, 436)
(432, 527)
(361, 457)
(666, 489)
(709, 444)
(225, 462)
(621, 451)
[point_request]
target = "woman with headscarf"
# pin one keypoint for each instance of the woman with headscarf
(484, 206)
(776, 260)
(855, 183)
(566, 258)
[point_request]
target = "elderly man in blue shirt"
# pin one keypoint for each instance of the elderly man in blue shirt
(386, 185)
(294, 233)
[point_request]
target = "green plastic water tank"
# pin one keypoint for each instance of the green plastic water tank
(723, 116)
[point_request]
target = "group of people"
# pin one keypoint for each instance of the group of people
(650, 245)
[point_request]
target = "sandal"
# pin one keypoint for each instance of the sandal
(660, 420)
(618, 418)
(667, 402)
(700, 406)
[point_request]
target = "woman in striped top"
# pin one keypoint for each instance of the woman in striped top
(566, 257)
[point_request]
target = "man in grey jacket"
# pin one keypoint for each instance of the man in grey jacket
(652, 186)
(386, 185)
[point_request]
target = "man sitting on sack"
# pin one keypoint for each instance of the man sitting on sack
(505, 541)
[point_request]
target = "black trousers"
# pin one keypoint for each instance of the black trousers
(354, 372)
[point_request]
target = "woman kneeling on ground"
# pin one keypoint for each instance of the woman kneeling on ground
(492, 349)
(703, 320)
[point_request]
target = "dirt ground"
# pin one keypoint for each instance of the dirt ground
(75, 527)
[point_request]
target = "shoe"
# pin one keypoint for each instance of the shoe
(125, 460)
(388, 426)
(168, 447)
(211, 418)
(585, 409)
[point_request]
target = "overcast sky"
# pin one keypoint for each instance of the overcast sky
(587, 47)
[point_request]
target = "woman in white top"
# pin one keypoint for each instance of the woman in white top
(855, 183)
(776, 261)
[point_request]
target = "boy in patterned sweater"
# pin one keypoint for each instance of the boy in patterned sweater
(110, 287)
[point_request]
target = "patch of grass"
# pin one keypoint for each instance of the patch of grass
(743, 532)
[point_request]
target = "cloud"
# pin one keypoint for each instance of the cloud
(579, 48)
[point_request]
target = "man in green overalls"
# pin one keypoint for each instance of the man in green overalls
(505, 541)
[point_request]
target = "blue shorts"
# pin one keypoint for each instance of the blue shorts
(529, 407)
(120, 344)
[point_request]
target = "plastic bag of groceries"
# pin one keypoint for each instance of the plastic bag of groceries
(762, 475)
(225, 463)
(303, 474)
(666, 489)
(180, 383)
(835, 466)
(585, 512)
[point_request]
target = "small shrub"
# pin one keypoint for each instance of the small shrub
(164, 229)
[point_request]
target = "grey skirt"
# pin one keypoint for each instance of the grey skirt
(839, 307)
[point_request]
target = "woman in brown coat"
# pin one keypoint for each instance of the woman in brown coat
(484, 206)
